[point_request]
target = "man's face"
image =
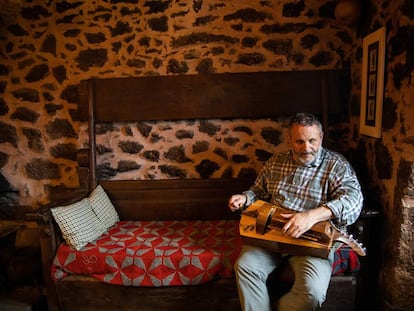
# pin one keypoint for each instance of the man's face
(305, 142)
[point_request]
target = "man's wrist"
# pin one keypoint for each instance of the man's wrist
(246, 200)
(244, 205)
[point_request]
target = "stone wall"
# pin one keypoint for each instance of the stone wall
(187, 149)
(386, 165)
(49, 47)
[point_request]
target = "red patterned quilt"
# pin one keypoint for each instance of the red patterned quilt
(164, 253)
(155, 253)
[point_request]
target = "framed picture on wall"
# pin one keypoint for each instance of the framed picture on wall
(372, 88)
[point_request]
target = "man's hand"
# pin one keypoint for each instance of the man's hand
(299, 223)
(237, 201)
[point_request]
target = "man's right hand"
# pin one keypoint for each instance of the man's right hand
(237, 201)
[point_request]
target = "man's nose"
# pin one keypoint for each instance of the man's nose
(307, 146)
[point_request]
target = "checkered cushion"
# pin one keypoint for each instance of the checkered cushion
(103, 207)
(78, 223)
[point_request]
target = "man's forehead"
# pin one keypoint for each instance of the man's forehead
(300, 127)
(305, 130)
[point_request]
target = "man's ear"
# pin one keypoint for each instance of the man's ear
(287, 136)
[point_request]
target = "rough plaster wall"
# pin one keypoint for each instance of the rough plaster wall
(49, 47)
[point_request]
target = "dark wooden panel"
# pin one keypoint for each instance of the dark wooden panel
(87, 294)
(177, 199)
(231, 95)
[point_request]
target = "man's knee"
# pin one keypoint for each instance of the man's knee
(243, 267)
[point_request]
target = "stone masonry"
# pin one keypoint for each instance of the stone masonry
(48, 48)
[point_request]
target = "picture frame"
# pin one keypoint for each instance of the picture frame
(372, 83)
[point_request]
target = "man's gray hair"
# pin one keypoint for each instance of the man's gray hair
(304, 119)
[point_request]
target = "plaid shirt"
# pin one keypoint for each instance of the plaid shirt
(329, 181)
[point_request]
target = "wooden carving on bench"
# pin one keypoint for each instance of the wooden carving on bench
(261, 225)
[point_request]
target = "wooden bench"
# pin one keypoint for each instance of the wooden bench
(244, 95)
